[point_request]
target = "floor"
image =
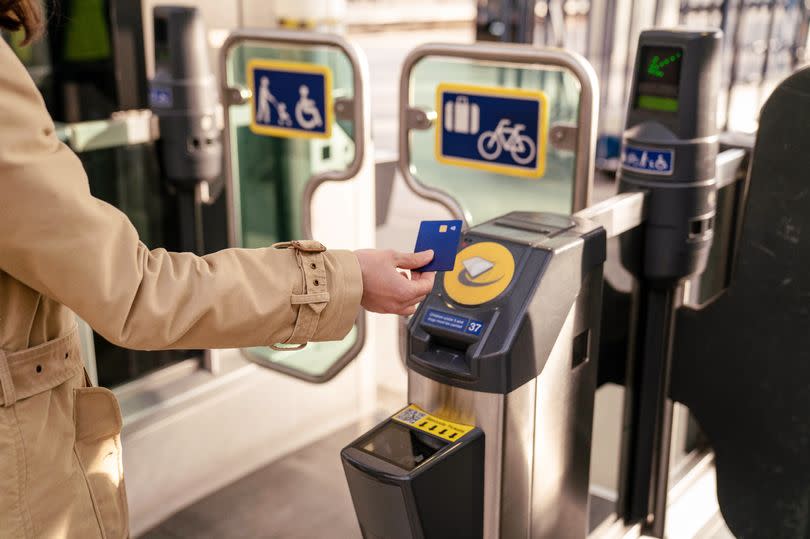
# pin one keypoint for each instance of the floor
(303, 495)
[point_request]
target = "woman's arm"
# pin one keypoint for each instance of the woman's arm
(59, 240)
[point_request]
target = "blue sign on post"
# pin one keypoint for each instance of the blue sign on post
(501, 130)
(648, 160)
(290, 99)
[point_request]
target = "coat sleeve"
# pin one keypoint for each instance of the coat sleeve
(59, 240)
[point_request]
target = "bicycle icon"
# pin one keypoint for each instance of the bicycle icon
(510, 138)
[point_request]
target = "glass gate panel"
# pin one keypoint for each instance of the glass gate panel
(271, 171)
(290, 119)
(488, 115)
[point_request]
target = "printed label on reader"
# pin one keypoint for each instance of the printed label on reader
(443, 320)
(415, 417)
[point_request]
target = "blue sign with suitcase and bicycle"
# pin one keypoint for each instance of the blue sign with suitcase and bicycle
(501, 130)
(290, 99)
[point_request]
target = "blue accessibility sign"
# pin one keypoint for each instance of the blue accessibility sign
(501, 130)
(290, 99)
(648, 160)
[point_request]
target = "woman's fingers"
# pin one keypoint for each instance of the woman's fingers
(415, 290)
(413, 260)
(407, 311)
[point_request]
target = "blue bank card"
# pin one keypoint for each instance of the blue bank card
(443, 237)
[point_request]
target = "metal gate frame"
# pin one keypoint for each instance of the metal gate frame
(357, 109)
(587, 120)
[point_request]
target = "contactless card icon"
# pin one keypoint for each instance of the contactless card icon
(475, 267)
(482, 272)
(443, 238)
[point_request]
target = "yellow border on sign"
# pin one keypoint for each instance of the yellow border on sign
(297, 67)
(494, 91)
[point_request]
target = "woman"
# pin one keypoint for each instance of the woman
(63, 251)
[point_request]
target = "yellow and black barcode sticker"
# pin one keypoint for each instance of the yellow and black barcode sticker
(415, 417)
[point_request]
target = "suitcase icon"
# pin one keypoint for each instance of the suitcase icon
(461, 116)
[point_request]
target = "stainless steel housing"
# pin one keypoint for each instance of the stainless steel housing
(538, 436)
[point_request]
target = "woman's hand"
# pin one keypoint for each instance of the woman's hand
(389, 291)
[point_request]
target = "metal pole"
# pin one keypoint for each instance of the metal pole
(648, 411)
(188, 222)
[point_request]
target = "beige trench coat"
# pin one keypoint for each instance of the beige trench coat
(63, 251)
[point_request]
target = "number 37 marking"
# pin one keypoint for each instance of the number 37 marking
(474, 327)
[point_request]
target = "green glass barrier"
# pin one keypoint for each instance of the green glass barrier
(270, 172)
(478, 195)
(271, 175)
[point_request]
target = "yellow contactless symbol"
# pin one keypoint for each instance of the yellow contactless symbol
(482, 272)
(417, 418)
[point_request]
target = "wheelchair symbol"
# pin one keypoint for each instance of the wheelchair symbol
(306, 110)
(661, 163)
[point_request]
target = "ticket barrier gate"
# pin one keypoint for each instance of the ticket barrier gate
(517, 366)
(510, 366)
(486, 349)
(184, 99)
(440, 85)
(750, 346)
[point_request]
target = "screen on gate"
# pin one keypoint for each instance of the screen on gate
(659, 78)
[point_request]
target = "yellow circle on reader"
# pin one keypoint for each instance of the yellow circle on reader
(482, 272)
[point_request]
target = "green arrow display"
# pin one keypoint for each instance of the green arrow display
(657, 65)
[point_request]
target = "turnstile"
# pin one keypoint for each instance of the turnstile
(505, 342)
(503, 352)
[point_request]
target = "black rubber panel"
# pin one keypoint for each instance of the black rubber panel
(742, 365)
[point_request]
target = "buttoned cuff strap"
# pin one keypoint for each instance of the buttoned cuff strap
(314, 292)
